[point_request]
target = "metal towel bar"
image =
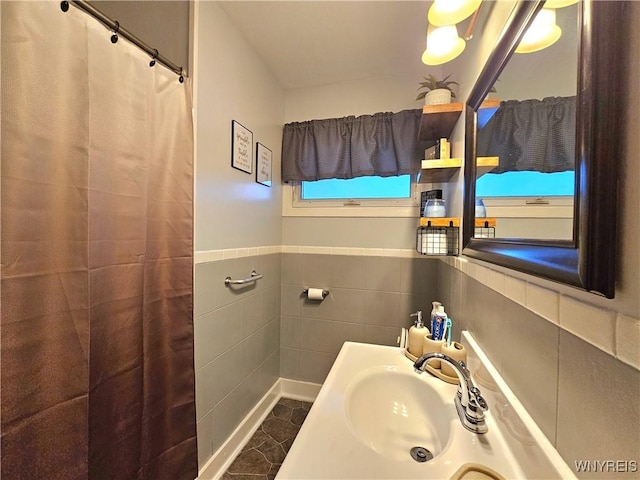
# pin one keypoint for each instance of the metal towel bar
(254, 276)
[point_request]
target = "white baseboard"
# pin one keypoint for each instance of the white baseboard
(224, 456)
(297, 390)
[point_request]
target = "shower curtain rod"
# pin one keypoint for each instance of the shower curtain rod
(114, 25)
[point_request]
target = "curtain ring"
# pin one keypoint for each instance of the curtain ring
(114, 37)
(153, 58)
(64, 6)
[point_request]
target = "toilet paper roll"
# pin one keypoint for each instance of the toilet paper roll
(457, 352)
(315, 294)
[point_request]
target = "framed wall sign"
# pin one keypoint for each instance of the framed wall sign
(241, 147)
(263, 165)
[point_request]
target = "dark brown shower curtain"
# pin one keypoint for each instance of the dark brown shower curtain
(96, 341)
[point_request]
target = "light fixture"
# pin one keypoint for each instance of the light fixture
(559, 3)
(542, 33)
(443, 45)
(450, 12)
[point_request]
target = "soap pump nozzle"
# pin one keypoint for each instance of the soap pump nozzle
(419, 322)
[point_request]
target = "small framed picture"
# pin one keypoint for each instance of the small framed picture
(241, 147)
(263, 165)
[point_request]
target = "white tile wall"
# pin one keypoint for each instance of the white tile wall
(627, 340)
(592, 324)
(617, 335)
(515, 289)
(496, 281)
(543, 302)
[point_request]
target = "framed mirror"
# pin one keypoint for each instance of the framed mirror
(583, 256)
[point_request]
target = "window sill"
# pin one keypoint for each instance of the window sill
(372, 208)
(521, 207)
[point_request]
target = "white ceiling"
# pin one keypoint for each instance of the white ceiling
(317, 42)
(307, 43)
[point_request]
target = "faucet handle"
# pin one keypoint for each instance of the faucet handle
(477, 398)
(482, 403)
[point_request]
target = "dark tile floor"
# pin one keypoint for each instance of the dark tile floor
(262, 456)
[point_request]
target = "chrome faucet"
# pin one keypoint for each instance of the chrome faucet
(469, 402)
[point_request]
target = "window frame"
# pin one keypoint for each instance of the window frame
(559, 206)
(499, 207)
(294, 206)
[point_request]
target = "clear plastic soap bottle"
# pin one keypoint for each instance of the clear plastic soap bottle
(416, 335)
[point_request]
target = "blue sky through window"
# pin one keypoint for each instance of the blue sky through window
(525, 184)
(360, 187)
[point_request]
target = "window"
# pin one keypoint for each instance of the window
(356, 197)
(526, 184)
(527, 194)
(357, 188)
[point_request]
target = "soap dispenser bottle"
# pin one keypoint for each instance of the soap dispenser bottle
(416, 335)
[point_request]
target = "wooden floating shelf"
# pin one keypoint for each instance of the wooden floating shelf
(493, 103)
(455, 222)
(485, 165)
(487, 110)
(485, 222)
(441, 170)
(439, 222)
(438, 120)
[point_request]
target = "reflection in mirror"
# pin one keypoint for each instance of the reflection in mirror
(587, 259)
(530, 193)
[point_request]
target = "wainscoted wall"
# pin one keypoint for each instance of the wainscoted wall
(237, 332)
(370, 300)
(245, 338)
(574, 365)
(562, 357)
(237, 335)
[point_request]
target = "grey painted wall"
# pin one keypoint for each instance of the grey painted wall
(161, 25)
(232, 210)
(350, 232)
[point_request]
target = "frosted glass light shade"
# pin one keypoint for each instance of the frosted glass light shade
(443, 45)
(450, 12)
(542, 33)
(559, 3)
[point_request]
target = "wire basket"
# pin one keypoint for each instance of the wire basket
(485, 228)
(435, 240)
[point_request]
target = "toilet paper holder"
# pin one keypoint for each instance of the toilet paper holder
(325, 293)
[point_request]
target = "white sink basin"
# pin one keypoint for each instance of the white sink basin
(373, 409)
(392, 411)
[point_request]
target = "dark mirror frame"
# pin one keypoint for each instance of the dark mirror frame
(588, 261)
